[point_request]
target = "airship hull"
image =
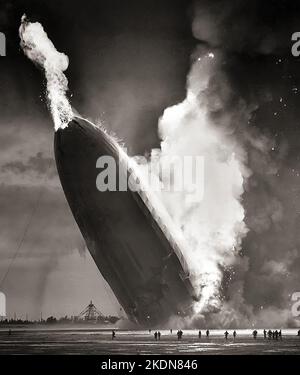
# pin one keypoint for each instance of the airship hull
(126, 243)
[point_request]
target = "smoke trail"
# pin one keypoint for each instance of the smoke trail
(39, 49)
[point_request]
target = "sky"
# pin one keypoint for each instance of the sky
(127, 63)
(129, 60)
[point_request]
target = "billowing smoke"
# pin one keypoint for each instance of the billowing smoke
(242, 243)
(242, 94)
(212, 224)
(39, 48)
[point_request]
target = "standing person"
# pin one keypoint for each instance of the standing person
(280, 335)
(179, 334)
(171, 331)
(207, 333)
(199, 334)
(226, 334)
(234, 334)
(113, 334)
(270, 334)
(254, 333)
(158, 334)
(265, 334)
(155, 335)
(298, 333)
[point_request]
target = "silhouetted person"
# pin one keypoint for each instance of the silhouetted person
(155, 335)
(234, 334)
(149, 330)
(226, 335)
(113, 334)
(199, 334)
(280, 335)
(171, 331)
(265, 334)
(270, 334)
(273, 335)
(179, 334)
(158, 335)
(254, 333)
(207, 333)
(298, 333)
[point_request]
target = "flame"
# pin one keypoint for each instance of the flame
(39, 49)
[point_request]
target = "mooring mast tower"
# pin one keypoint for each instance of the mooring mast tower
(91, 313)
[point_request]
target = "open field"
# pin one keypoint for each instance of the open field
(97, 341)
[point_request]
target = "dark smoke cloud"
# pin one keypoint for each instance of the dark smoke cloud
(38, 163)
(250, 27)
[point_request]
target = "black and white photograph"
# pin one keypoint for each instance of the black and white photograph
(150, 179)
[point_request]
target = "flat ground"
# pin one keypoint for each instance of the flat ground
(95, 341)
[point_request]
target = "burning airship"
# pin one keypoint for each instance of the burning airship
(133, 244)
(131, 247)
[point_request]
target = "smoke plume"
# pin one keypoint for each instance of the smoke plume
(242, 244)
(39, 49)
(213, 226)
(239, 98)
